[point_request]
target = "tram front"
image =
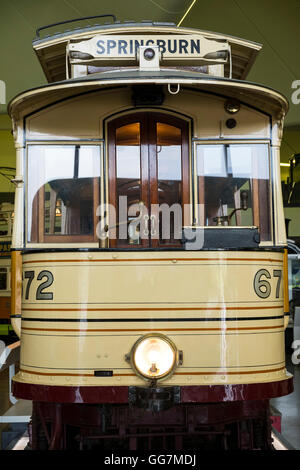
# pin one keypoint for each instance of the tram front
(152, 241)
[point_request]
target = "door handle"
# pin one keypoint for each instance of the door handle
(146, 221)
(153, 225)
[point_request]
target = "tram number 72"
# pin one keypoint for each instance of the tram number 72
(40, 294)
(262, 287)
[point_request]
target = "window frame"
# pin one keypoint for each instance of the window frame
(267, 142)
(43, 239)
(91, 241)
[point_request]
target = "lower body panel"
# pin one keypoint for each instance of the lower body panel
(205, 417)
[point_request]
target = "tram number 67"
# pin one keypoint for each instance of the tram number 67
(40, 294)
(262, 287)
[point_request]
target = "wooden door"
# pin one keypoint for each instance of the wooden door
(148, 180)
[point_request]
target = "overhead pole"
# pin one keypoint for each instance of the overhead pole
(187, 12)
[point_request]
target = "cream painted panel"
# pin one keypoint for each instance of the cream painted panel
(151, 283)
(216, 352)
(258, 354)
(82, 117)
(142, 286)
(210, 116)
(78, 117)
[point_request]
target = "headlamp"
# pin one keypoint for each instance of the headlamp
(154, 356)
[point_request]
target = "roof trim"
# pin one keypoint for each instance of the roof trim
(92, 30)
(51, 50)
(243, 90)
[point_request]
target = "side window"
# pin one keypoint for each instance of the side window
(3, 279)
(63, 192)
(233, 186)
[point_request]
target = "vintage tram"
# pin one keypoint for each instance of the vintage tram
(149, 253)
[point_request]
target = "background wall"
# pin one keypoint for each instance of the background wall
(7, 158)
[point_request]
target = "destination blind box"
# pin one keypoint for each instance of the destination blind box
(148, 50)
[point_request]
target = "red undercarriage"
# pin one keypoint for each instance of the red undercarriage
(216, 417)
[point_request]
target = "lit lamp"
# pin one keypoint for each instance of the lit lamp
(154, 356)
(232, 106)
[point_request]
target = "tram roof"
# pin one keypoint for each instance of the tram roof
(51, 50)
(252, 94)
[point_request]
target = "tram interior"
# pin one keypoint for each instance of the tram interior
(64, 189)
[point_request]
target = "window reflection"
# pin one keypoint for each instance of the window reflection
(226, 173)
(6, 219)
(169, 172)
(63, 189)
(128, 173)
(3, 278)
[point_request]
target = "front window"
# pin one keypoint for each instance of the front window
(63, 184)
(233, 186)
(63, 192)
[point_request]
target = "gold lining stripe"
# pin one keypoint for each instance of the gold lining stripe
(156, 329)
(147, 309)
(121, 260)
(265, 371)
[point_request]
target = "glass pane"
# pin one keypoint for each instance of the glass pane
(169, 181)
(3, 278)
(6, 219)
(233, 186)
(128, 173)
(61, 187)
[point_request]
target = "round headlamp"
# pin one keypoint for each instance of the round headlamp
(154, 356)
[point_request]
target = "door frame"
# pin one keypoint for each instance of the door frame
(149, 185)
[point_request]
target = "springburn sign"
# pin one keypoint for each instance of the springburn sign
(172, 47)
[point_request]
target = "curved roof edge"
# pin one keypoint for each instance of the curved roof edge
(252, 94)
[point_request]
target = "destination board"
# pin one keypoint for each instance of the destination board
(172, 47)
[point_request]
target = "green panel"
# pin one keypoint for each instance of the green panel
(4, 329)
(7, 155)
